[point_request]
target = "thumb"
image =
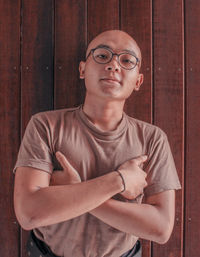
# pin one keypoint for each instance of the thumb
(66, 165)
(139, 160)
(63, 161)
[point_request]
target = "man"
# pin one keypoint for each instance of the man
(94, 207)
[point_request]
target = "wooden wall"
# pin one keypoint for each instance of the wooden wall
(41, 44)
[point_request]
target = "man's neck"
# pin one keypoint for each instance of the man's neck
(105, 115)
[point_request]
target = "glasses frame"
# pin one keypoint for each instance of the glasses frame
(118, 55)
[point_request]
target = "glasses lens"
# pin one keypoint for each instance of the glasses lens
(102, 55)
(127, 61)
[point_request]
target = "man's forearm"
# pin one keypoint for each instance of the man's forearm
(54, 204)
(142, 220)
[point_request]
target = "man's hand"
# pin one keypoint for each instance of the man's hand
(66, 176)
(134, 177)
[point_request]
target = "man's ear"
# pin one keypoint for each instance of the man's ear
(139, 82)
(82, 69)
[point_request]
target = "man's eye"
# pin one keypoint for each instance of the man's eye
(127, 61)
(102, 56)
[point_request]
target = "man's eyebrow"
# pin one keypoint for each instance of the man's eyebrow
(124, 50)
(104, 46)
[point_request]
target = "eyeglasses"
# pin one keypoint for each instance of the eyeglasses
(103, 55)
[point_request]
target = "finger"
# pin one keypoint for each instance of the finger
(66, 165)
(63, 161)
(141, 159)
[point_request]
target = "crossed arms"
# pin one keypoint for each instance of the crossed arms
(41, 199)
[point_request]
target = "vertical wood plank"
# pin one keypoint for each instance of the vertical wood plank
(192, 180)
(37, 57)
(37, 64)
(136, 17)
(169, 98)
(9, 120)
(70, 44)
(102, 15)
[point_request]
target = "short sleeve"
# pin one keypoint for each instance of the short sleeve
(35, 150)
(160, 167)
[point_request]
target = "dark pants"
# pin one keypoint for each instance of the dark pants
(37, 248)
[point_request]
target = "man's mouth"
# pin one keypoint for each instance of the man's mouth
(111, 80)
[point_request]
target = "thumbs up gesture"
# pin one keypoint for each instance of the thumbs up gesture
(66, 176)
(134, 177)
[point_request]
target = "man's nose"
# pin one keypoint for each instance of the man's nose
(113, 65)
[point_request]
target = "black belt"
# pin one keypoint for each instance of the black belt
(37, 248)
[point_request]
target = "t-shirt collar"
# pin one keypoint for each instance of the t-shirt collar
(106, 135)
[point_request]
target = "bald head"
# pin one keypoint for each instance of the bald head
(118, 40)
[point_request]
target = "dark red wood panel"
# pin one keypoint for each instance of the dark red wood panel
(37, 64)
(9, 122)
(70, 44)
(136, 20)
(169, 97)
(102, 15)
(192, 179)
(37, 57)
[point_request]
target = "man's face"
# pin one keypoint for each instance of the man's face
(110, 80)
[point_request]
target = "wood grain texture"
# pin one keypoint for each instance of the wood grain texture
(102, 15)
(169, 99)
(37, 57)
(37, 65)
(136, 20)
(192, 180)
(70, 46)
(9, 122)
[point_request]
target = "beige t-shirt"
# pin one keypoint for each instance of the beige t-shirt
(94, 153)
